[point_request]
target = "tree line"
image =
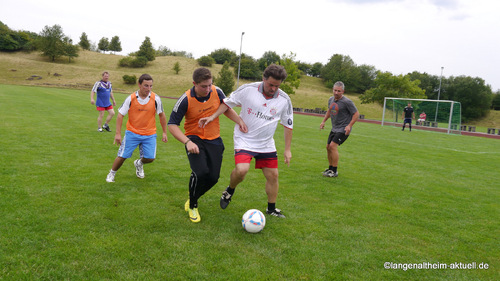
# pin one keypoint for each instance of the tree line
(372, 85)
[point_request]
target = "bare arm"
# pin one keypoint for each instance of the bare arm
(231, 114)
(163, 122)
(113, 98)
(92, 101)
(327, 116)
(354, 118)
(118, 134)
(205, 120)
(179, 135)
(288, 145)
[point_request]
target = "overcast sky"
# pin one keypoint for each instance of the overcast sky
(398, 36)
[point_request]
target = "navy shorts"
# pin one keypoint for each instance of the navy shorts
(338, 138)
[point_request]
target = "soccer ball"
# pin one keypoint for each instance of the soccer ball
(253, 221)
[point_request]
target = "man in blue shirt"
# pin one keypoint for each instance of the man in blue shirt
(104, 92)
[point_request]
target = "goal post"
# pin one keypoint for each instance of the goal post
(444, 115)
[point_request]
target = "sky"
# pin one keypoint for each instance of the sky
(452, 37)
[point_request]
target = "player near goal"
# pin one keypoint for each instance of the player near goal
(343, 114)
(408, 115)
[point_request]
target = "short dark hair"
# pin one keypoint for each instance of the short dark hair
(145, 77)
(278, 72)
(201, 74)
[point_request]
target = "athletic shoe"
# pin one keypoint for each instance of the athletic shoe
(106, 127)
(110, 177)
(330, 174)
(225, 199)
(99, 130)
(194, 216)
(325, 171)
(276, 213)
(139, 171)
(186, 206)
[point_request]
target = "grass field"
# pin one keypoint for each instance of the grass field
(401, 197)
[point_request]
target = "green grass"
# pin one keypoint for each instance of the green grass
(400, 197)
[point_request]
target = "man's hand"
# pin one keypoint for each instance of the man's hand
(164, 137)
(118, 139)
(204, 121)
(288, 157)
(192, 147)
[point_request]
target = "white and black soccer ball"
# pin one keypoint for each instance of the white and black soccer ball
(253, 221)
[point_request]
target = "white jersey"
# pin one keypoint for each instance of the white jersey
(261, 115)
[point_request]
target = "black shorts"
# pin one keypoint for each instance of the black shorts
(338, 138)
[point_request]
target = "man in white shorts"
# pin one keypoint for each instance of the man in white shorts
(263, 106)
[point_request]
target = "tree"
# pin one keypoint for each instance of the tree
(51, 42)
(146, 50)
(222, 55)
(70, 50)
(293, 74)
(11, 40)
(367, 75)
(206, 61)
(495, 102)
(267, 59)
(177, 68)
(428, 83)
(341, 68)
(315, 70)
(115, 45)
(474, 95)
(248, 68)
(163, 51)
(225, 80)
(84, 42)
(304, 67)
(388, 85)
(103, 44)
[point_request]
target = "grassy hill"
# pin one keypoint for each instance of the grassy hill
(83, 71)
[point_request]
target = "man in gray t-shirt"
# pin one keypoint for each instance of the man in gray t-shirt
(343, 114)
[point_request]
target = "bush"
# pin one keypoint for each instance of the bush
(139, 62)
(126, 62)
(206, 61)
(136, 62)
(129, 79)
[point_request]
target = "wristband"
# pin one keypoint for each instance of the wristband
(187, 141)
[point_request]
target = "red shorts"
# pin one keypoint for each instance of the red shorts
(262, 160)
(104, 108)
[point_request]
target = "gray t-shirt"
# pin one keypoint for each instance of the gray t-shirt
(341, 112)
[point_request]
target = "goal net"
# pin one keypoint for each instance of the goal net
(440, 115)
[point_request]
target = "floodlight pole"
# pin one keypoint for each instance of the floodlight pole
(239, 61)
(439, 93)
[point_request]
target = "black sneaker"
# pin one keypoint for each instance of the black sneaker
(106, 127)
(225, 199)
(276, 213)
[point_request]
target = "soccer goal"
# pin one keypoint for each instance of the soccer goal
(440, 115)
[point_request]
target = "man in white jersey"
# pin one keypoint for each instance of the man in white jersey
(263, 105)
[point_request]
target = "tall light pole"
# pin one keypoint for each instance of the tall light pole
(439, 93)
(239, 62)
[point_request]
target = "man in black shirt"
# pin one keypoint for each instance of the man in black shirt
(408, 114)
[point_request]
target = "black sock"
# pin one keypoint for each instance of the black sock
(330, 168)
(271, 206)
(230, 190)
(334, 169)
